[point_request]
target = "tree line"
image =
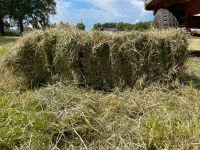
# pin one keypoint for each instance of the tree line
(20, 12)
(121, 26)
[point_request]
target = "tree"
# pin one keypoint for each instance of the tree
(80, 26)
(35, 12)
(142, 26)
(2, 25)
(3, 13)
(41, 11)
(19, 10)
(121, 26)
(109, 25)
(97, 26)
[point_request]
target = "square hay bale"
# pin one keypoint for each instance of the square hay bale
(99, 59)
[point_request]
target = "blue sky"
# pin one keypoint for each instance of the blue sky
(100, 11)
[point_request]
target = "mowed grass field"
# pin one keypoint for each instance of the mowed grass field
(4, 40)
(67, 117)
(194, 44)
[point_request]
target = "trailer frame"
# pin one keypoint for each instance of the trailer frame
(185, 11)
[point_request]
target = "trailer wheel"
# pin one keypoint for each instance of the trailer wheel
(164, 19)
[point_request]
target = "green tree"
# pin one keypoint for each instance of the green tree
(142, 26)
(35, 12)
(80, 26)
(18, 10)
(109, 25)
(121, 26)
(97, 26)
(41, 10)
(3, 14)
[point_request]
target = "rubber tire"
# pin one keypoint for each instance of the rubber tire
(164, 19)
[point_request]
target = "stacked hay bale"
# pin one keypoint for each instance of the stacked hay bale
(99, 59)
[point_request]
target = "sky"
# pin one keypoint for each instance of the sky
(100, 11)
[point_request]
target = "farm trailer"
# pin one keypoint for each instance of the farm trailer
(174, 13)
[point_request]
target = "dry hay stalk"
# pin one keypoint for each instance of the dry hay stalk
(99, 59)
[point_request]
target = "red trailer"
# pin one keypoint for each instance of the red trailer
(173, 13)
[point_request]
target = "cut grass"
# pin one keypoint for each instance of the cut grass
(4, 40)
(194, 44)
(194, 37)
(3, 50)
(193, 66)
(67, 117)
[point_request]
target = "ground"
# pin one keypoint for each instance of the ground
(7, 40)
(67, 117)
(194, 44)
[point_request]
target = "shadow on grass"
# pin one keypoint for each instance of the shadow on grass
(10, 33)
(194, 53)
(187, 79)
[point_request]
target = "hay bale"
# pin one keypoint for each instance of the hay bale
(99, 59)
(30, 58)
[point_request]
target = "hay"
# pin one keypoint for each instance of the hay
(70, 118)
(99, 59)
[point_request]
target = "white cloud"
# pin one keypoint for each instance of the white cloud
(138, 4)
(61, 4)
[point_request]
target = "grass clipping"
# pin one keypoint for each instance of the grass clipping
(61, 117)
(99, 59)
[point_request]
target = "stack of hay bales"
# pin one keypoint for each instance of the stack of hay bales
(99, 59)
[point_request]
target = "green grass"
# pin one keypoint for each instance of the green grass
(194, 44)
(4, 40)
(3, 50)
(194, 37)
(6, 43)
(68, 117)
